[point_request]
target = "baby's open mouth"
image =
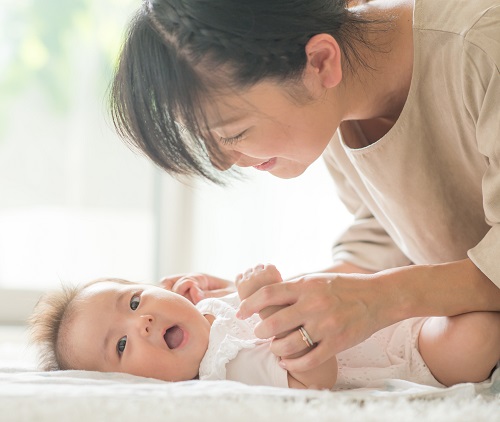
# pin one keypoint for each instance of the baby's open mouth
(173, 337)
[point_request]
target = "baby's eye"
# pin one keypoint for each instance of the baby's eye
(134, 302)
(120, 346)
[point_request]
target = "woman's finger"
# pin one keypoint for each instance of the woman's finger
(273, 294)
(310, 360)
(291, 346)
(280, 323)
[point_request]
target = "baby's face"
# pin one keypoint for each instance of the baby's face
(137, 329)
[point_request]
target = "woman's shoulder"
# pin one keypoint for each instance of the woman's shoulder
(453, 16)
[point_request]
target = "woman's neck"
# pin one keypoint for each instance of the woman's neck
(380, 90)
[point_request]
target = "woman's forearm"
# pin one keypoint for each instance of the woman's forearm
(436, 290)
(340, 310)
(340, 267)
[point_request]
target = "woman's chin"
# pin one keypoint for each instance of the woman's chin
(289, 172)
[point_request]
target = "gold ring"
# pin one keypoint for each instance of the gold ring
(306, 337)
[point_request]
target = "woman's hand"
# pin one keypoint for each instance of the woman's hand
(338, 311)
(197, 286)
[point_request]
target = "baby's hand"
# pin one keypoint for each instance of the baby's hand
(254, 279)
(197, 286)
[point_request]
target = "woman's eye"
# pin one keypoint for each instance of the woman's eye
(134, 302)
(120, 346)
(233, 139)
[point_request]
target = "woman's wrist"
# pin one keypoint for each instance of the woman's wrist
(398, 299)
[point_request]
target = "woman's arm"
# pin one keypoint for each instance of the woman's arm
(341, 310)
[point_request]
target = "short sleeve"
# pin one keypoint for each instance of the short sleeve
(482, 99)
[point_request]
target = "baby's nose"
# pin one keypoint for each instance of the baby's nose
(146, 324)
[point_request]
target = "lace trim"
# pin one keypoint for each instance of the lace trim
(228, 335)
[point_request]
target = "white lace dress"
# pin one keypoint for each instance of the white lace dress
(391, 353)
(234, 353)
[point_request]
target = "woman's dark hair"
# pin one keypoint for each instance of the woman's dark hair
(178, 53)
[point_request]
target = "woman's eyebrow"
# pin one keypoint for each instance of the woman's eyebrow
(224, 122)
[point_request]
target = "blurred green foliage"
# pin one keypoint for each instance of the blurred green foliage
(42, 39)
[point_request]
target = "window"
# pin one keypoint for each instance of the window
(76, 204)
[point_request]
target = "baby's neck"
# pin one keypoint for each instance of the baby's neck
(210, 318)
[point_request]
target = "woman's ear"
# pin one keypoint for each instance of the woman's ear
(324, 60)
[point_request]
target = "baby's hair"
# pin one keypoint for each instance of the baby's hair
(49, 321)
(45, 325)
(179, 54)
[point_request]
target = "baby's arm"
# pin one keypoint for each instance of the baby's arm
(462, 348)
(197, 286)
(321, 377)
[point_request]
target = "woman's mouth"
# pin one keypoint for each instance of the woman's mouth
(266, 165)
(174, 337)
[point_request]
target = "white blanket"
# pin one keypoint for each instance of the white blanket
(27, 395)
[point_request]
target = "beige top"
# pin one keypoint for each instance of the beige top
(429, 190)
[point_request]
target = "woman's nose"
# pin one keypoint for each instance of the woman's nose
(145, 324)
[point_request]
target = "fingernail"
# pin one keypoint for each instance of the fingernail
(282, 364)
(238, 315)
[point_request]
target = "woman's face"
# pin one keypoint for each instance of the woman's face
(267, 129)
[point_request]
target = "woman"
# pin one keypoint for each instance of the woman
(400, 98)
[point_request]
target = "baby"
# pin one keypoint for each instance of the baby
(112, 325)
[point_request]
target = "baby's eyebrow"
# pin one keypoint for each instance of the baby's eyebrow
(107, 337)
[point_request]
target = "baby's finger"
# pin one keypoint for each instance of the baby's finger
(196, 294)
(168, 282)
(183, 285)
(251, 271)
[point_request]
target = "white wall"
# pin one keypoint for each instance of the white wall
(262, 219)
